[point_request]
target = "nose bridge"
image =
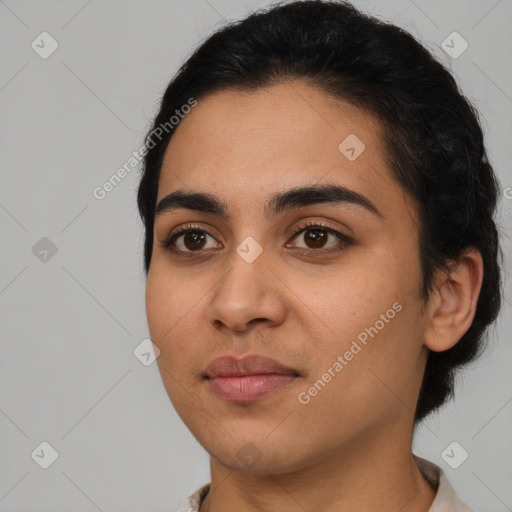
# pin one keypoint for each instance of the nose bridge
(248, 291)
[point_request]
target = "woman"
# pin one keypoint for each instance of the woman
(321, 256)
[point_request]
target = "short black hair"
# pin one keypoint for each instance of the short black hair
(431, 132)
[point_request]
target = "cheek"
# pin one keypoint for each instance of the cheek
(170, 316)
(159, 306)
(371, 320)
(170, 319)
(372, 380)
(168, 302)
(352, 296)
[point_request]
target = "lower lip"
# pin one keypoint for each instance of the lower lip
(249, 387)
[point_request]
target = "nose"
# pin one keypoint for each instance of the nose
(248, 294)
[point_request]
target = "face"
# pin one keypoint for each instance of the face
(326, 285)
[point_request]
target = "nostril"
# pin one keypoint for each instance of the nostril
(257, 320)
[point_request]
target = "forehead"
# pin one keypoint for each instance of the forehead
(246, 145)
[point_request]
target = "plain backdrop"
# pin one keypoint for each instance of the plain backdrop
(71, 279)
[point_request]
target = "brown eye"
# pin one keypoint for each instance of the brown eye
(189, 240)
(194, 240)
(315, 238)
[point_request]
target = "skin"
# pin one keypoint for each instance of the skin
(349, 448)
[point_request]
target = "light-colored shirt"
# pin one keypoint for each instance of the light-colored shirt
(446, 499)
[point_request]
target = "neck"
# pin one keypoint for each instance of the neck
(377, 474)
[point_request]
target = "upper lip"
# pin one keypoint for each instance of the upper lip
(253, 364)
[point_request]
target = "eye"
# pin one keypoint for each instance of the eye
(188, 239)
(316, 236)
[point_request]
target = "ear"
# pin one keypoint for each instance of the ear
(452, 304)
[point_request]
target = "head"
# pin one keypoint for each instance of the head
(349, 156)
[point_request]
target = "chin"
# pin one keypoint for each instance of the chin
(259, 457)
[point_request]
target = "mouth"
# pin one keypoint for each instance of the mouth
(249, 387)
(248, 378)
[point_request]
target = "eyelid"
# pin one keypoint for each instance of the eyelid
(301, 226)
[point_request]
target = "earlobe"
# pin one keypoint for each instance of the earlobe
(453, 301)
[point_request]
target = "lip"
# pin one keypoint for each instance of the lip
(248, 378)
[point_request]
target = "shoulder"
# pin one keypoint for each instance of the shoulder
(193, 501)
(446, 499)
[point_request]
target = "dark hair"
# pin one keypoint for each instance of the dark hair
(433, 139)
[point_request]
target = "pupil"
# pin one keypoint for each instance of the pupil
(196, 237)
(317, 238)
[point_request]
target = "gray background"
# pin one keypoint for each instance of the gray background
(69, 325)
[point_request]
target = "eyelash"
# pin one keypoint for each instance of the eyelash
(190, 228)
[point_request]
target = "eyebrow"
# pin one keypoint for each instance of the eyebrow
(293, 198)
